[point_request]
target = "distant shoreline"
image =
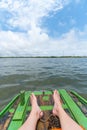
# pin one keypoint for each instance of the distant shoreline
(46, 57)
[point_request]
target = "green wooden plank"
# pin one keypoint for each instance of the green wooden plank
(42, 92)
(19, 112)
(37, 92)
(83, 100)
(21, 109)
(19, 115)
(48, 92)
(46, 98)
(77, 113)
(15, 125)
(43, 108)
(3, 112)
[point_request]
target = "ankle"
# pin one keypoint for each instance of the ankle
(35, 113)
(60, 111)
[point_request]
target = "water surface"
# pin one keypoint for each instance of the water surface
(18, 74)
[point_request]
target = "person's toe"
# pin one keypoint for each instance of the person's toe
(41, 114)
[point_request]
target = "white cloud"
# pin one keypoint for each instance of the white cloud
(28, 15)
(71, 43)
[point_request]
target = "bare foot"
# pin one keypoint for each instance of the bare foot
(57, 102)
(35, 108)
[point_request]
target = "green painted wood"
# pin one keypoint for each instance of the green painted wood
(45, 98)
(48, 92)
(77, 113)
(22, 108)
(38, 92)
(20, 113)
(83, 100)
(15, 125)
(3, 112)
(42, 92)
(45, 108)
(22, 97)
(12, 110)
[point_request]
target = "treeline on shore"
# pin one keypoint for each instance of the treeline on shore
(45, 57)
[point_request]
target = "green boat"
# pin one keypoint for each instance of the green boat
(18, 109)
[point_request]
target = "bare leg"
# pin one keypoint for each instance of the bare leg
(67, 123)
(35, 114)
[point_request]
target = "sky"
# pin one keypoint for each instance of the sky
(43, 28)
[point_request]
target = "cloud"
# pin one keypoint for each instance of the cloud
(70, 43)
(34, 40)
(27, 13)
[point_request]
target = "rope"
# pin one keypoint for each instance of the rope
(44, 121)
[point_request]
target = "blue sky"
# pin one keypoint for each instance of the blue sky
(74, 15)
(43, 28)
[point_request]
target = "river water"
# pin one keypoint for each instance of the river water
(18, 74)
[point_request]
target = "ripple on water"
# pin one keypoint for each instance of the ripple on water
(41, 73)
